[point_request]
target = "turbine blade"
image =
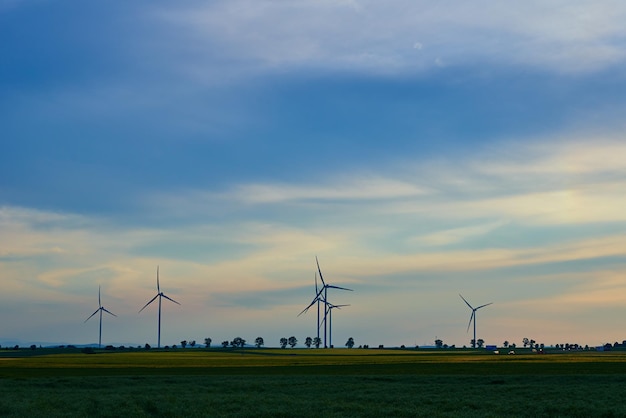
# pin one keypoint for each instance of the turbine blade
(92, 315)
(322, 322)
(470, 306)
(316, 290)
(307, 308)
(470, 321)
(151, 300)
(169, 298)
(337, 287)
(158, 287)
(318, 297)
(320, 271)
(107, 311)
(99, 301)
(486, 304)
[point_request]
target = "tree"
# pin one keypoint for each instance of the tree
(238, 342)
(505, 344)
(317, 341)
(438, 343)
(147, 346)
(207, 342)
(480, 342)
(192, 343)
(183, 343)
(292, 341)
(283, 342)
(225, 344)
(308, 342)
(350, 342)
(526, 341)
(258, 342)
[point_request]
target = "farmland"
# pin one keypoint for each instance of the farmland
(307, 383)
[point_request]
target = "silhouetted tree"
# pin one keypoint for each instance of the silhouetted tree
(147, 346)
(505, 344)
(283, 342)
(238, 342)
(308, 342)
(526, 341)
(183, 343)
(292, 341)
(480, 342)
(258, 342)
(192, 343)
(317, 341)
(207, 342)
(350, 342)
(438, 343)
(225, 344)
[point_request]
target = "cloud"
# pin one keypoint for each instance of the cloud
(451, 236)
(355, 188)
(369, 36)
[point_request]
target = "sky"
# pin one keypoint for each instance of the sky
(419, 149)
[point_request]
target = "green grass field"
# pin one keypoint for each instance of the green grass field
(311, 383)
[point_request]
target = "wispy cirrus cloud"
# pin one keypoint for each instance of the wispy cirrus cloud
(369, 36)
(455, 235)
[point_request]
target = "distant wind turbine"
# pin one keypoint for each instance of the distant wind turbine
(159, 295)
(473, 317)
(100, 309)
(322, 296)
(330, 307)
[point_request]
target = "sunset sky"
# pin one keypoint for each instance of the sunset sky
(419, 149)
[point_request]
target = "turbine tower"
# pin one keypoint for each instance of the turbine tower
(473, 317)
(100, 309)
(159, 295)
(322, 296)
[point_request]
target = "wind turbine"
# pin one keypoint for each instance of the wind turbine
(100, 309)
(159, 295)
(330, 308)
(319, 298)
(473, 317)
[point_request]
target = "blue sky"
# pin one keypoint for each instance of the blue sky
(419, 150)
